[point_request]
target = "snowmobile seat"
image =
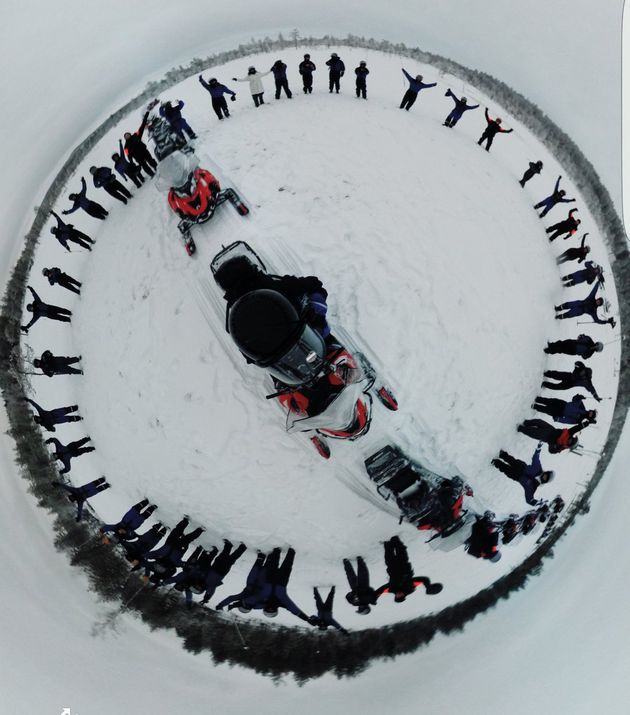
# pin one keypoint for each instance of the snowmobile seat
(401, 481)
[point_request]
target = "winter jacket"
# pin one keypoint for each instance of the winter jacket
(172, 112)
(216, 90)
(279, 70)
(307, 67)
(255, 81)
(460, 107)
(81, 201)
(54, 274)
(336, 66)
(415, 85)
(103, 176)
(361, 73)
(493, 128)
(530, 479)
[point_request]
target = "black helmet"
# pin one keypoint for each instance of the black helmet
(307, 57)
(213, 80)
(363, 62)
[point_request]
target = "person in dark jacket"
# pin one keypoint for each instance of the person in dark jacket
(483, 542)
(278, 575)
(79, 495)
(529, 476)
(175, 546)
(336, 70)
(173, 115)
(253, 583)
(51, 365)
(306, 69)
(56, 276)
(104, 178)
(575, 254)
(361, 73)
(590, 273)
(361, 594)
(219, 567)
(66, 452)
(568, 226)
(81, 201)
(461, 106)
(279, 70)
(39, 309)
(567, 413)
(535, 167)
(126, 168)
(557, 197)
(217, 93)
(580, 377)
(65, 232)
(324, 616)
(136, 548)
(557, 439)
(401, 581)
(49, 418)
(136, 150)
(131, 521)
(583, 345)
(587, 306)
(415, 85)
(493, 128)
(193, 575)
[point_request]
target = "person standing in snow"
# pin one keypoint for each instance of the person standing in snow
(81, 201)
(324, 618)
(415, 85)
(136, 548)
(51, 365)
(219, 567)
(252, 585)
(581, 376)
(461, 106)
(137, 150)
(218, 92)
(361, 594)
(65, 232)
(56, 276)
(535, 167)
(568, 226)
(173, 115)
(361, 73)
(103, 178)
(256, 86)
(278, 576)
(557, 439)
(279, 70)
(575, 254)
(556, 197)
(483, 542)
(66, 452)
(567, 413)
(587, 306)
(336, 70)
(584, 346)
(175, 546)
(132, 520)
(306, 69)
(127, 168)
(401, 581)
(79, 495)
(529, 476)
(590, 273)
(492, 129)
(39, 309)
(49, 418)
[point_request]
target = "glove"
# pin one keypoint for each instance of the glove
(233, 98)
(313, 620)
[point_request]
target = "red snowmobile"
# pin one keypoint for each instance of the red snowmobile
(323, 386)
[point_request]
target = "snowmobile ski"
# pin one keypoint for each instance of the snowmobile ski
(322, 448)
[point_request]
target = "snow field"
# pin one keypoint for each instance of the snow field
(432, 256)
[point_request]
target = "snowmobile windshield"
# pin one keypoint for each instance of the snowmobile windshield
(269, 332)
(175, 170)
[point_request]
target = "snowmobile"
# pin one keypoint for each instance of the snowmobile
(193, 193)
(324, 387)
(427, 500)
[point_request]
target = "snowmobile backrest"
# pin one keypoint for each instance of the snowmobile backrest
(234, 250)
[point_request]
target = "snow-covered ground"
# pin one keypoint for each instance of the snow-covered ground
(529, 630)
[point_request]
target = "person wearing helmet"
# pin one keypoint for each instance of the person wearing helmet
(535, 167)
(591, 272)
(492, 129)
(39, 309)
(336, 69)
(401, 581)
(56, 276)
(583, 345)
(578, 253)
(81, 201)
(49, 418)
(136, 149)
(361, 72)
(557, 439)
(173, 115)
(52, 365)
(483, 542)
(65, 232)
(529, 476)
(253, 583)
(279, 70)
(461, 106)
(415, 85)
(570, 412)
(306, 69)
(568, 226)
(587, 306)
(324, 618)
(557, 197)
(581, 376)
(256, 86)
(103, 178)
(217, 92)
(361, 594)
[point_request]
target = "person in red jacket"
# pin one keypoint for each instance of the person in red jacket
(492, 129)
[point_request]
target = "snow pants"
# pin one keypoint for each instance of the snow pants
(283, 84)
(578, 277)
(510, 466)
(546, 205)
(69, 283)
(258, 99)
(307, 81)
(488, 137)
(558, 229)
(220, 107)
(117, 190)
(408, 99)
(539, 430)
(530, 173)
(61, 415)
(361, 87)
(279, 575)
(571, 254)
(145, 161)
(333, 82)
(565, 347)
(573, 309)
(95, 210)
(550, 406)
(62, 365)
(80, 238)
(397, 563)
(565, 380)
(452, 119)
(181, 126)
(53, 312)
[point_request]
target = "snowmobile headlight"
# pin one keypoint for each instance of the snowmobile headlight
(312, 357)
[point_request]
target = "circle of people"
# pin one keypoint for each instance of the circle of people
(203, 571)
